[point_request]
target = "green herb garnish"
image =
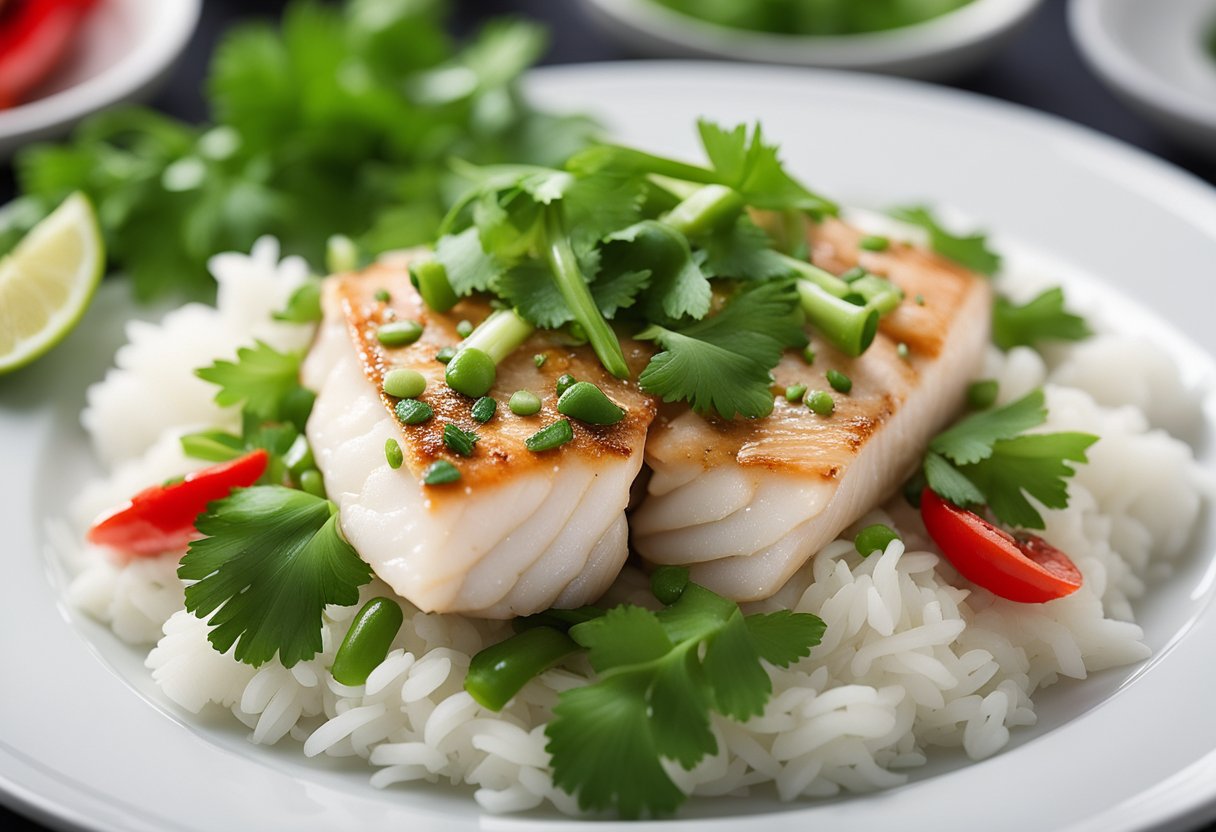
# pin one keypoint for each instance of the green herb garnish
(991, 458)
(969, 250)
(1042, 319)
(258, 541)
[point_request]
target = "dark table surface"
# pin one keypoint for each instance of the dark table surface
(1040, 69)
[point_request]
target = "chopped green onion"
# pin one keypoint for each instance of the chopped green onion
(588, 403)
(404, 383)
(458, 440)
(808, 355)
(474, 367)
(445, 354)
(839, 381)
(498, 672)
(873, 539)
(393, 454)
(874, 242)
(982, 394)
(341, 254)
(795, 392)
(311, 482)
(919, 299)
(551, 436)
(440, 472)
(413, 411)
(298, 457)
(367, 641)
(484, 409)
(564, 382)
(707, 209)
(668, 583)
(854, 274)
(524, 403)
(430, 278)
(399, 333)
(464, 329)
(539, 359)
(849, 327)
(471, 372)
(382, 295)
(212, 445)
(820, 402)
(901, 349)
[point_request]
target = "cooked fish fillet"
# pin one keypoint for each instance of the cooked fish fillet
(521, 531)
(745, 503)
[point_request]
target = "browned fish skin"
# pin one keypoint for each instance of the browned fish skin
(745, 503)
(501, 452)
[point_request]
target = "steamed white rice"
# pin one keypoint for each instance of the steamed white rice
(913, 659)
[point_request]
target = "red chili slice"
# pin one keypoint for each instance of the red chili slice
(161, 518)
(1025, 568)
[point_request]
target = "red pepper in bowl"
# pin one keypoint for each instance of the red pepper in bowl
(34, 38)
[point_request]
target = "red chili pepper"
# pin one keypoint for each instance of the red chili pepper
(34, 36)
(161, 518)
(1025, 568)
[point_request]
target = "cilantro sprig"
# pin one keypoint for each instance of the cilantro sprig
(721, 364)
(659, 677)
(970, 250)
(991, 459)
(1043, 318)
(620, 239)
(271, 560)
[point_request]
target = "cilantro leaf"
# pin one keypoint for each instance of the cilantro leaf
(783, 637)
(740, 685)
(469, 268)
(742, 251)
(990, 459)
(971, 439)
(262, 378)
(723, 363)
(676, 287)
(950, 483)
(752, 168)
(1035, 464)
(1043, 318)
(270, 562)
(613, 717)
(660, 675)
(969, 250)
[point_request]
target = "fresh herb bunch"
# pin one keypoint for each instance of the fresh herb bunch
(661, 247)
(339, 122)
(659, 675)
(815, 17)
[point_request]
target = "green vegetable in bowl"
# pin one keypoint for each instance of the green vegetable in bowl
(814, 17)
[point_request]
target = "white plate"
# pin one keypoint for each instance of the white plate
(84, 738)
(123, 49)
(1156, 57)
(938, 48)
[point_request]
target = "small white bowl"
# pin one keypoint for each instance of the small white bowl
(938, 48)
(123, 49)
(1154, 56)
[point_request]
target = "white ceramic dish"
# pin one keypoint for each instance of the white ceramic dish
(936, 49)
(85, 740)
(1155, 57)
(125, 47)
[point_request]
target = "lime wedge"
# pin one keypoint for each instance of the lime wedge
(47, 281)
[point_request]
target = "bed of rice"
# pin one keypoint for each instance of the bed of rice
(912, 660)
